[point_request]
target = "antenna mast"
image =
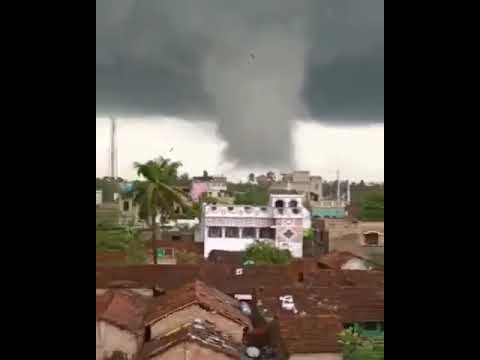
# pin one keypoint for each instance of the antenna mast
(113, 147)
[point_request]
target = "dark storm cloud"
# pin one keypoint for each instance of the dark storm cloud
(251, 66)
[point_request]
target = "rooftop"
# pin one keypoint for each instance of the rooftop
(196, 293)
(201, 332)
(336, 259)
(122, 308)
(309, 334)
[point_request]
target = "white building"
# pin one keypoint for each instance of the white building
(99, 199)
(235, 227)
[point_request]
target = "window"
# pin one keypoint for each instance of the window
(232, 232)
(215, 232)
(176, 238)
(126, 206)
(288, 234)
(267, 233)
(279, 204)
(249, 233)
(293, 204)
(371, 239)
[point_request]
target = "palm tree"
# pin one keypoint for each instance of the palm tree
(157, 194)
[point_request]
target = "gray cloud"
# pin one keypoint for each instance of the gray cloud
(192, 58)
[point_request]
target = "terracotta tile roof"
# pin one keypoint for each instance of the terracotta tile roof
(309, 334)
(351, 304)
(336, 259)
(122, 308)
(224, 277)
(200, 294)
(201, 332)
(148, 276)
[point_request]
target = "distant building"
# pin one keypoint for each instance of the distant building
(212, 186)
(235, 227)
(364, 238)
(328, 209)
(302, 182)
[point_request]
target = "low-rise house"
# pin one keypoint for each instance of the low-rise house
(211, 186)
(119, 323)
(197, 340)
(196, 301)
(303, 182)
(364, 238)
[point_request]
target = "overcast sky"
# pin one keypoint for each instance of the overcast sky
(233, 77)
(357, 151)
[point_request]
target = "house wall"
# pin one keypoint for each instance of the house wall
(322, 356)
(228, 244)
(345, 235)
(187, 315)
(190, 351)
(110, 338)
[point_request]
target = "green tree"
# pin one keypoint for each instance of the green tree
(264, 253)
(157, 194)
(356, 347)
(254, 197)
(372, 206)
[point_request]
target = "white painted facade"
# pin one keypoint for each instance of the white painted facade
(235, 227)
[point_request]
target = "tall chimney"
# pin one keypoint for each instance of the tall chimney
(113, 148)
(348, 192)
(338, 187)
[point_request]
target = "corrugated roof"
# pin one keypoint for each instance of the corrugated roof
(200, 294)
(201, 332)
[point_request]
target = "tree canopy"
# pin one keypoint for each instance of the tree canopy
(264, 253)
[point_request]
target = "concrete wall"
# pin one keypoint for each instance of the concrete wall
(323, 356)
(110, 338)
(187, 315)
(190, 351)
(345, 235)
